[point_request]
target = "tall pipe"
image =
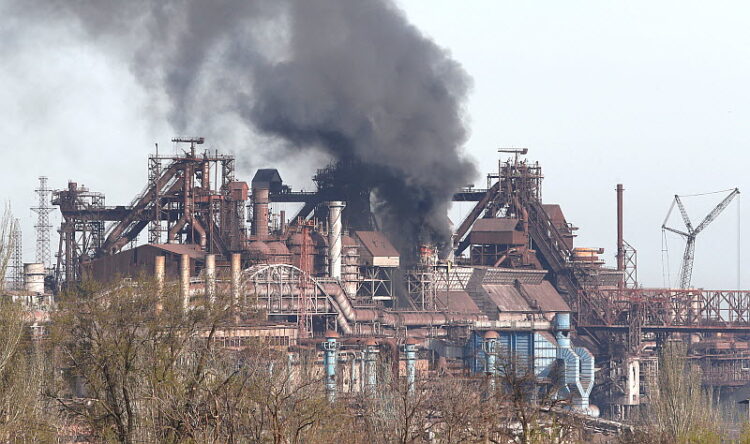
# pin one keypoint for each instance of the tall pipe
(236, 270)
(334, 238)
(410, 350)
(330, 347)
(371, 369)
(159, 272)
(206, 176)
(211, 278)
(490, 353)
(620, 241)
(282, 221)
(260, 212)
(185, 280)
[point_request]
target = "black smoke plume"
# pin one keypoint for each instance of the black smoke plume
(350, 77)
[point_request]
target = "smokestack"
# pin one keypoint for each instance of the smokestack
(211, 278)
(620, 241)
(185, 280)
(334, 238)
(260, 212)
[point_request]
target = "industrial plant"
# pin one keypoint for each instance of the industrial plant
(510, 284)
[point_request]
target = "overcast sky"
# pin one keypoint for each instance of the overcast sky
(650, 94)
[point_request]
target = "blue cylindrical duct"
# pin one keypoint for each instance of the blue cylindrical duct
(562, 321)
(330, 352)
(562, 330)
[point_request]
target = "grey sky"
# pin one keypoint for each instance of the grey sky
(650, 94)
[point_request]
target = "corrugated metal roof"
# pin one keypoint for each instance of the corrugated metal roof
(506, 297)
(457, 301)
(509, 299)
(546, 296)
(194, 251)
(495, 224)
(377, 244)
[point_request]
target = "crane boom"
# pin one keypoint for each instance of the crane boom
(716, 211)
(684, 214)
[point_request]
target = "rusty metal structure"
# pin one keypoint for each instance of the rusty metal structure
(514, 270)
(191, 198)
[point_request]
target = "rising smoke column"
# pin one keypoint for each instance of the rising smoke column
(349, 77)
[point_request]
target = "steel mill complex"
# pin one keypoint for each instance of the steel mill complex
(510, 282)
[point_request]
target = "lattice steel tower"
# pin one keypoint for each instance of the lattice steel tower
(16, 261)
(43, 226)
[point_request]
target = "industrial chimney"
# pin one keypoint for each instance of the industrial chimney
(264, 182)
(260, 212)
(334, 238)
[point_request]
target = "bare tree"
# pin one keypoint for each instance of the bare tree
(679, 410)
(530, 412)
(22, 410)
(7, 227)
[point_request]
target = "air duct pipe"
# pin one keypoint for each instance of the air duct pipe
(330, 355)
(578, 371)
(334, 238)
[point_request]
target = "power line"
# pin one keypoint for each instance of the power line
(706, 194)
(739, 246)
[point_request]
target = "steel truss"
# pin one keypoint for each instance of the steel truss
(669, 310)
